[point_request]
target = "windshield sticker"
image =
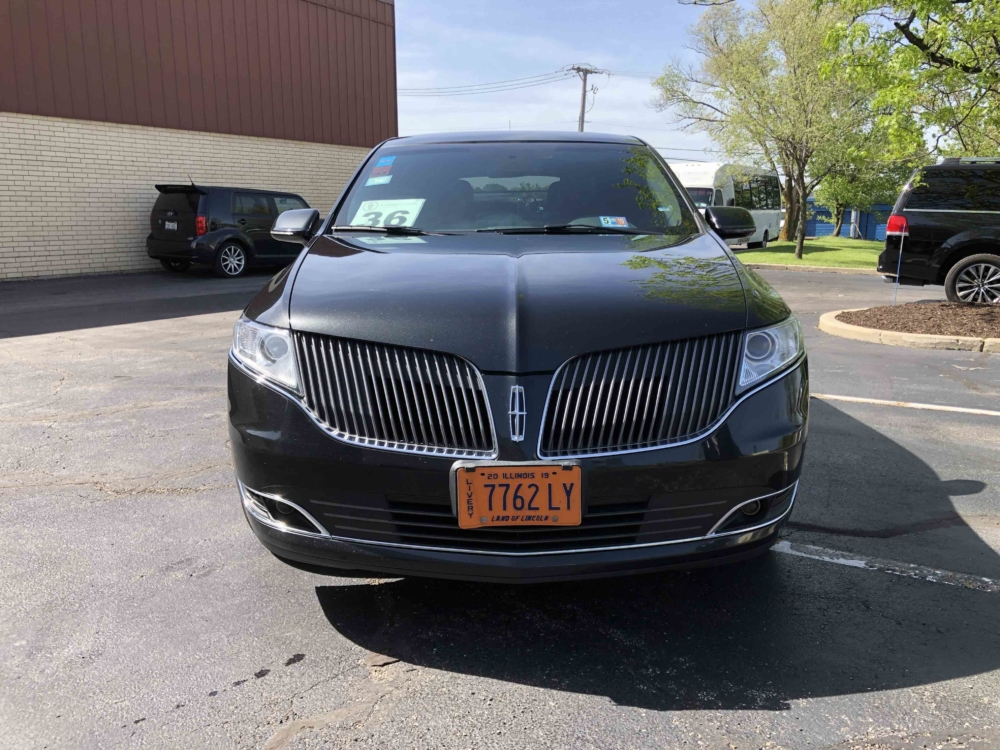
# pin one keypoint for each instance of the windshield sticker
(385, 161)
(388, 213)
(379, 180)
(390, 240)
(379, 171)
(613, 221)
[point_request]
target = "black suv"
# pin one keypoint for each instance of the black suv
(947, 222)
(226, 228)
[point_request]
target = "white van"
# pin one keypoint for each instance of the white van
(757, 190)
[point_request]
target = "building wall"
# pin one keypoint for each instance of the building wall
(871, 224)
(312, 70)
(75, 195)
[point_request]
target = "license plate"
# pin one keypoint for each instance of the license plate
(519, 495)
(170, 225)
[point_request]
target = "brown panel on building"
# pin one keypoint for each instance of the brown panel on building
(314, 70)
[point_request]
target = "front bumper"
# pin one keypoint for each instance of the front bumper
(913, 270)
(279, 452)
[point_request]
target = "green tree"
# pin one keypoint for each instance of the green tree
(935, 65)
(760, 92)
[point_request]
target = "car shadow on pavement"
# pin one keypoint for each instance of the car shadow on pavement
(39, 306)
(757, 635)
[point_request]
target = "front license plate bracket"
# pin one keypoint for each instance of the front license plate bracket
(518, 492)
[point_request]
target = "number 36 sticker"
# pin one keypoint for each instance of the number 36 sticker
(394, 213)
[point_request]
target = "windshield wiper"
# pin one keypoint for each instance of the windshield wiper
(566, 229)
(410, 231)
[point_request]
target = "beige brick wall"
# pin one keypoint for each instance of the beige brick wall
(75, 195)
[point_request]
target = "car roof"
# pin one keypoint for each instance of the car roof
(250, 190)
(519, 136)
(180, 188)
(963, 165)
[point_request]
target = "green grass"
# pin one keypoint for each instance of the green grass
(836, 252)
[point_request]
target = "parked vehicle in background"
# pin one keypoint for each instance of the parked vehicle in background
(947, 223)
(226, 228)
(757, 190)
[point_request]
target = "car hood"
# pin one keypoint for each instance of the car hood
(517, 303)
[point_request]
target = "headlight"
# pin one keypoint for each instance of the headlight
(266, 351)
(767, 350)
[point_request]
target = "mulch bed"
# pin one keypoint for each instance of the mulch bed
(939, 318)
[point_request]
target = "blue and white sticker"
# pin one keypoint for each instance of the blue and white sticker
(383, 180)
(390, 240)
(613, 221)
(385, 161)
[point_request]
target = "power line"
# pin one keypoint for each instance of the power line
(486, 88)
(630, 74)
(515, 84)
(481, 85)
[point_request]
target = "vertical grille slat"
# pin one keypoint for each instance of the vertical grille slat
(326, 358)
(395, 398)
(676, 385)
(484, 435)
(640, 397)
(459, 417)
(641, 437)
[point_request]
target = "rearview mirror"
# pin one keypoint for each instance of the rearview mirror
(295, 226)
(730, 223)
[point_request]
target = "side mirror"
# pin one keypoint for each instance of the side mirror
(730, 222)
(295, 226)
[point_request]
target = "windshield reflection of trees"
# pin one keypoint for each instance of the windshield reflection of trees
(689, 279)
(661, 209)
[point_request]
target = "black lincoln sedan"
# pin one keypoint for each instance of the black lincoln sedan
(516, 357)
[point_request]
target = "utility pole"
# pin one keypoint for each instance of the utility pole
(583, 71)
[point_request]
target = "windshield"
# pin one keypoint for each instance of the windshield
(468, 187)
(701, 197)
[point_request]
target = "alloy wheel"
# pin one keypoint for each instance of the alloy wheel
(980, 282)
(232, 259)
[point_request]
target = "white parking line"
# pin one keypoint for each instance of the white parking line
(905, 404)
(908, 570)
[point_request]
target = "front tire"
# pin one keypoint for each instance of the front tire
(974, 279)
(175, 266)
(231, 260)
(758, 245)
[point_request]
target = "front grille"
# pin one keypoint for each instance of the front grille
(640, 397)
(430, 522)
(396, 398)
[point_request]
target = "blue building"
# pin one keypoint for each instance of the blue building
(870, 223)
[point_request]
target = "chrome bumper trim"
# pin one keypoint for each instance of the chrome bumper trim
(262, 515)
(711, 535)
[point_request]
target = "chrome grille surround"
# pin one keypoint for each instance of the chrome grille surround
(395, 398)
(640, 398)
(432, 519)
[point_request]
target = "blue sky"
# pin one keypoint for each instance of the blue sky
(459, 42)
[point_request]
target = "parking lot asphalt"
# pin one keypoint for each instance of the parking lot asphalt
(139, 610)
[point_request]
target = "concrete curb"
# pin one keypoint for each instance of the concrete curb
(816, 269)
(828, 323)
